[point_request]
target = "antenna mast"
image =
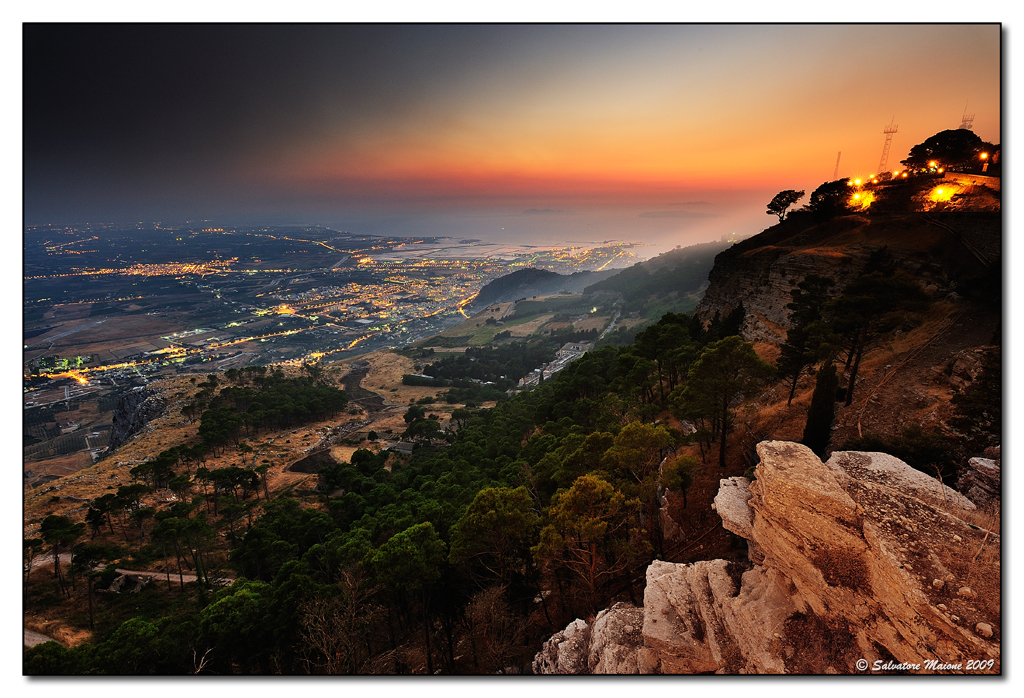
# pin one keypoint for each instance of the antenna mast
(888, 131)
(968, 120)
(835, 175)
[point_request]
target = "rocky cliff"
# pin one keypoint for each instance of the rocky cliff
(858, 558)
(134, 411)
(761, 271)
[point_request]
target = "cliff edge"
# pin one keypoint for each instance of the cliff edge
(859, 559)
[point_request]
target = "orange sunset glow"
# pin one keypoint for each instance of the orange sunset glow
(440, 128)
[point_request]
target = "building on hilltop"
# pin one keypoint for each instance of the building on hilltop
(575, 348)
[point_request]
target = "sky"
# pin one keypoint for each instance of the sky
(665, 134)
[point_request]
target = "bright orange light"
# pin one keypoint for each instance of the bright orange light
(862, 200)
(874, 181)
(941, 170)
(984, 155)
(942, 193)
(904, 174)
(857, 182)
(932, 163)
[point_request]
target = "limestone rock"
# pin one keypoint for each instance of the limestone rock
(846, 569)
(669, 527)
(131, 583)
(134, 411)
(615, 639)
(981, 481)
(731, 504)
(566, 652)
(891, 472)
(760, 273)
(966, 366)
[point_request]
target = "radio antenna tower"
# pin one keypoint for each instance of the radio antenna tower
(835, 175)
(968, 121)
(888, 131)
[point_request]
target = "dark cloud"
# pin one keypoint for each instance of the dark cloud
(677, 214)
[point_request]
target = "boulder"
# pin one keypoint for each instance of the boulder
(566, 652)
(731, 503)
(614, 640)
(981, 481)
(131, 583)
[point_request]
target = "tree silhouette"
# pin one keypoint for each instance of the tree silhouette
(493, 537)
(782, 201)
(822, 412)
(871, 306)
(808, 333)
(59, 532)
(953, 149)
(829, 200)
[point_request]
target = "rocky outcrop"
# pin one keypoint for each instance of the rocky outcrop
(134, 411)
(613, 644)
(966, 365)
(981, 481)
(566, 652)
(855, 559)
(760, 272)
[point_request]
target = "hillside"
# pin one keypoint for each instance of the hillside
(682, 271)
(761, 271)
(525, 283)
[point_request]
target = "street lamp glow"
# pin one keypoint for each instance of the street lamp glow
(984, 156)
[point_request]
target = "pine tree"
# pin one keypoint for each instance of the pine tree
(822, 412)
(807, 336)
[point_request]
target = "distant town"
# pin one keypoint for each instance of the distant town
(134, 304)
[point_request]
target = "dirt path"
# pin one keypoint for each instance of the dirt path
(32, 638)
(65, 558)
(371, 402)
